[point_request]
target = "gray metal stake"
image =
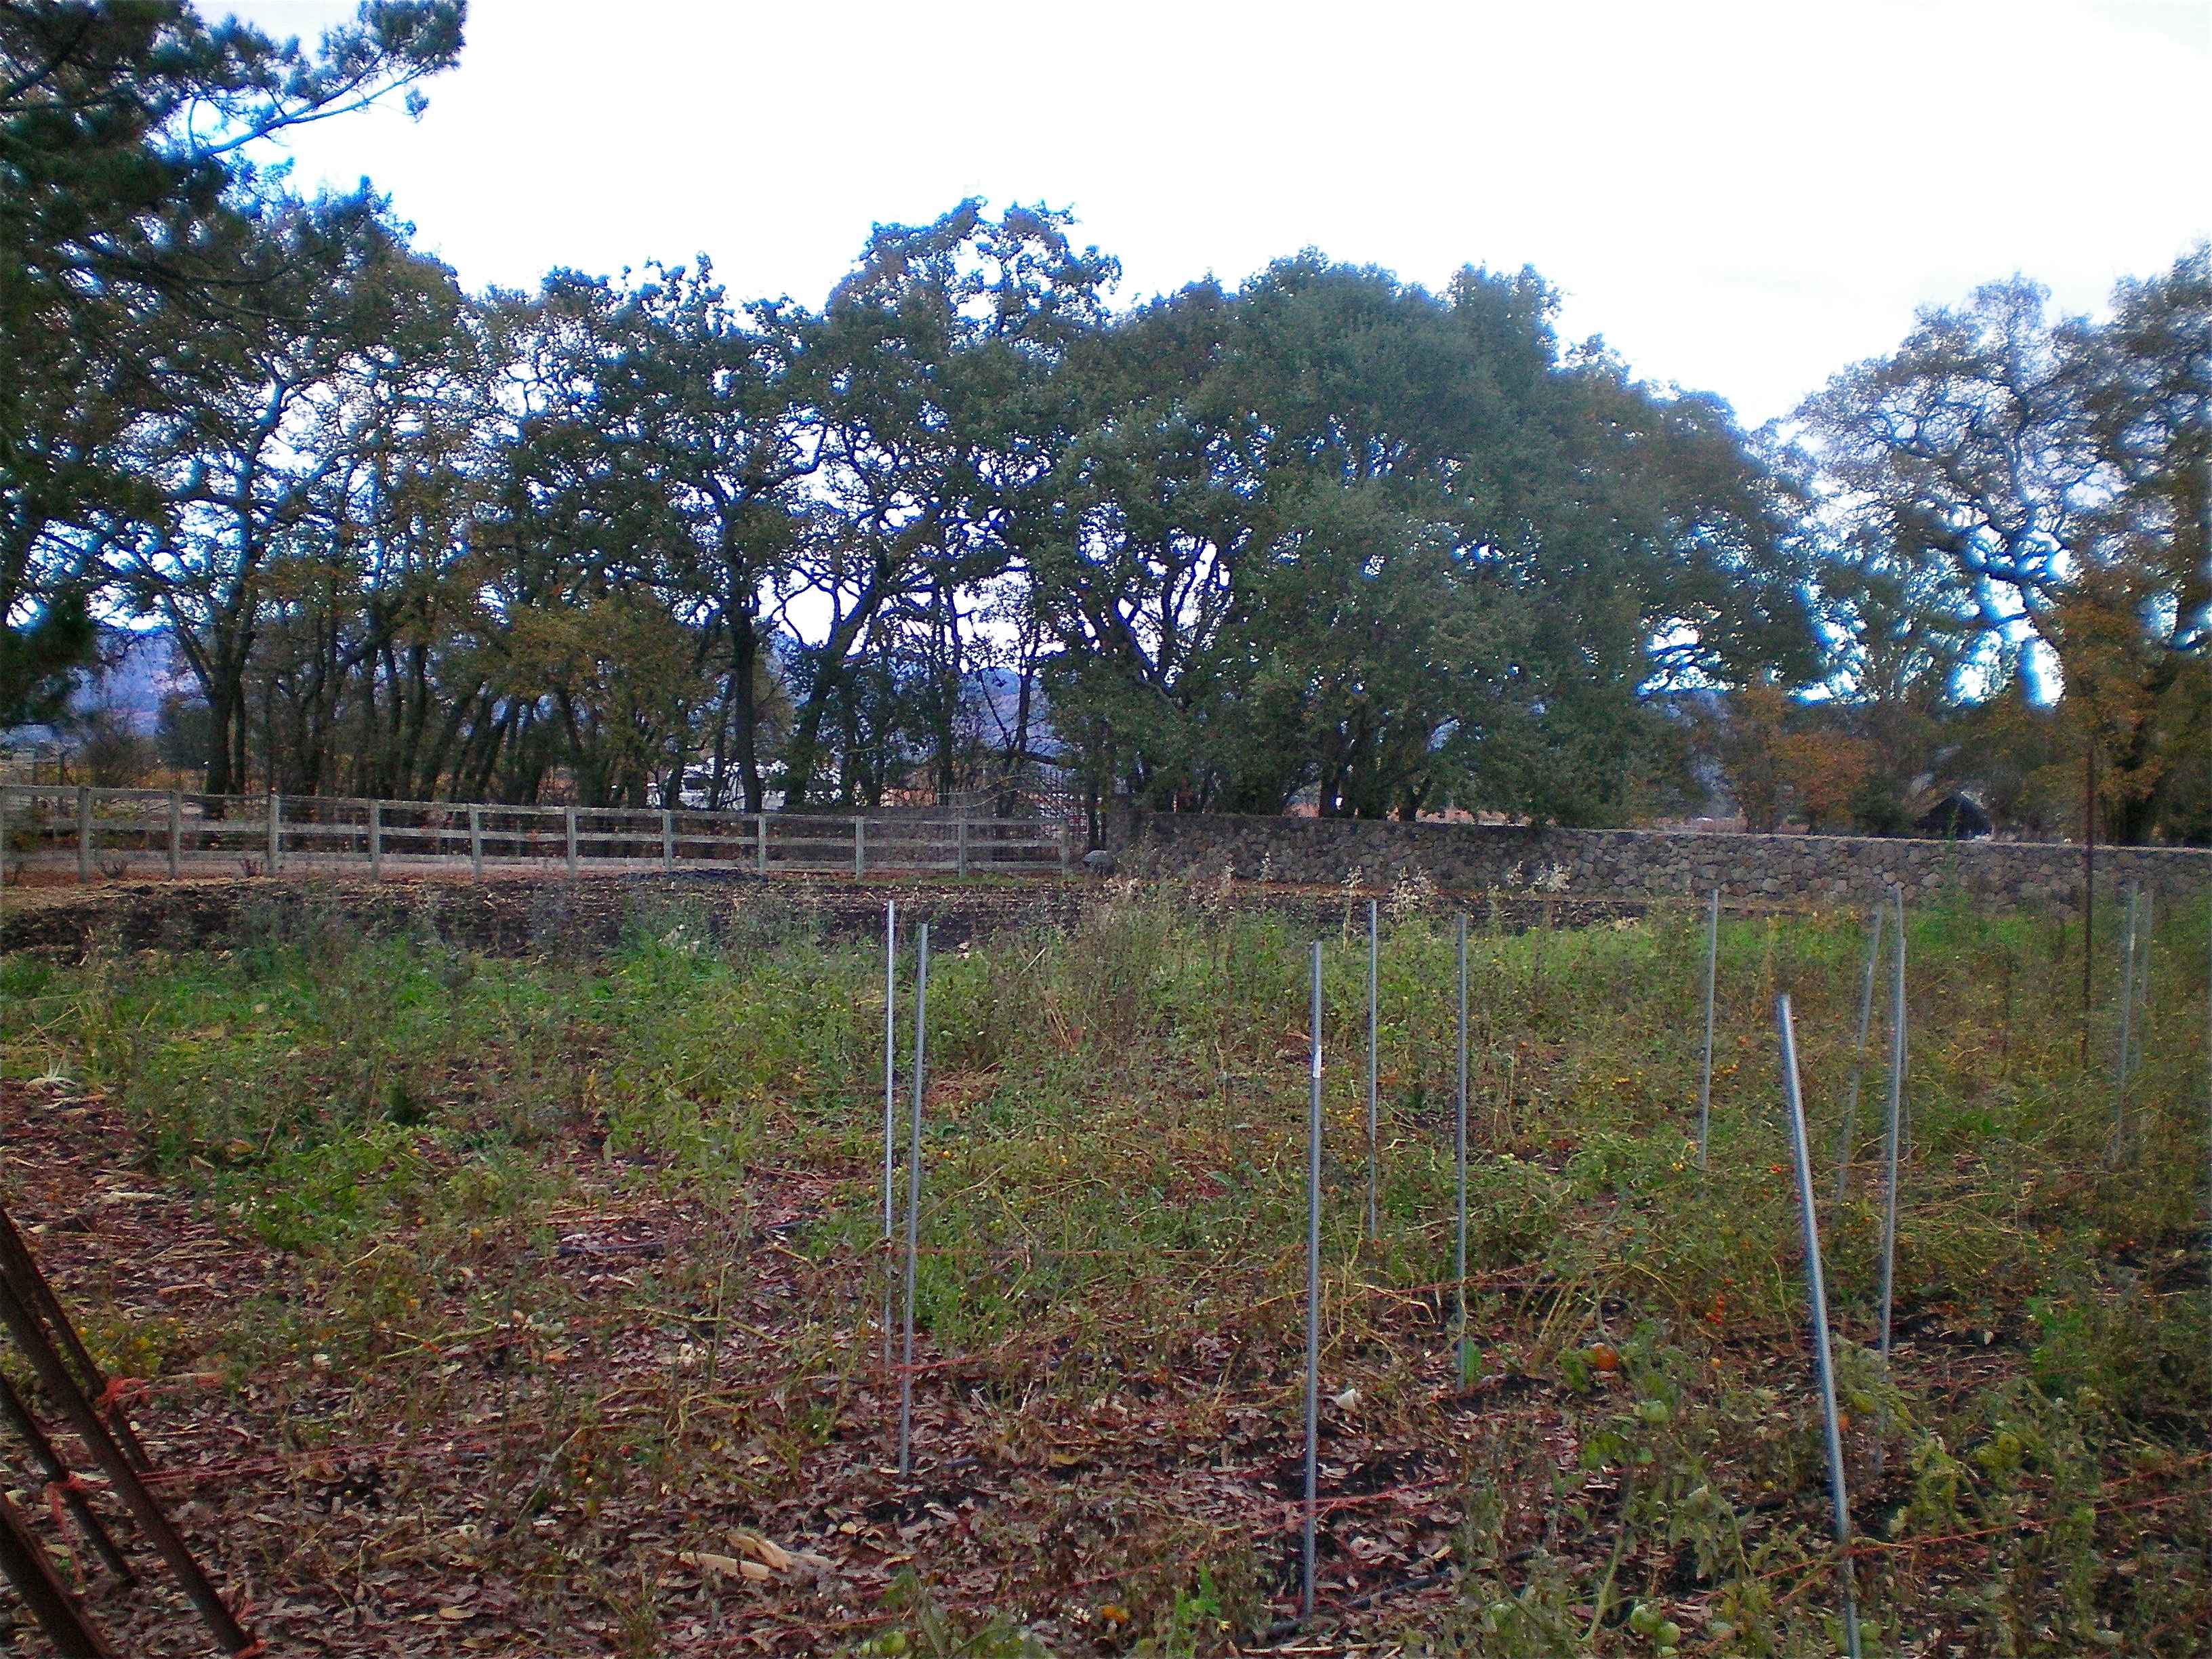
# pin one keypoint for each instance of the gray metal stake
(1894, 1125)
(1374, 1120)
(914, 1199)
(1816, 1294)
(1858, 1050)
(376, 841)
(1706, 1055)
(1313, 1294)
(890, 1101)
(475, 843)
(2127, 1023)
(176, 833)
(1459, 1165)
(568, 819)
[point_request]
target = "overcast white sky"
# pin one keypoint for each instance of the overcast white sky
(1741, 199)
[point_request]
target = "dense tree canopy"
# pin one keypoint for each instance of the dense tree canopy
(1325, 537)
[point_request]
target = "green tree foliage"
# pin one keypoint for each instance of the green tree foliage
(127, 196)
(1334, 533)
(1326, 537)
(2015, 512)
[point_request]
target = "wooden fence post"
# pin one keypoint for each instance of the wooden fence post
(376, 841)
(764, 844)
(859, 847)
(960, 846)
(569, 813)
(176, 833)
(276, 832)
(84, 835)
(668, 843)
(476, 842)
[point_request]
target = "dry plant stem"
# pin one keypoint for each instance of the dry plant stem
(1894, 1128)
(1705, 1054)
(1374, 1125)
(1459, 1164)
(1858, 1050)
(890, 1101)
(1313, 1290)
(1816, 1296)
(912, 1198)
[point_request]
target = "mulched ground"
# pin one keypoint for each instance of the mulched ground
(446, 1499)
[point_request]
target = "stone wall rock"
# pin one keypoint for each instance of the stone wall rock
(1636, 863)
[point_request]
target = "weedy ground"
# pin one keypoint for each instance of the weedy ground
(534, 1304)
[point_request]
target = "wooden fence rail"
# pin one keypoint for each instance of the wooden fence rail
(115, 833)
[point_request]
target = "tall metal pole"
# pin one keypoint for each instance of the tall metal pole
(1859, 1049)
(1706, 1055)
(1893, 1126)
(891, 1102)
(914, 1198)
(1459, 1166)
(1313, 1293)
(2127, 1024)
(1374, 1121)
(1816, 1295)
(2088, 885)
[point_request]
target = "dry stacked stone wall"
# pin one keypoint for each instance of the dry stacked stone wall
(1635, 863)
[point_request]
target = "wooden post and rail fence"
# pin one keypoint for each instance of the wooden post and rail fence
(118, 834)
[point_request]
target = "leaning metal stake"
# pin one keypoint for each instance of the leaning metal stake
(890, 1104)
(1858, 1049)
(1374, 1120)
(1313, 1291)
(1706, 1056)
(913, 1199)
(1893, 1128)
(1816, 1294)
(1459, 1166)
